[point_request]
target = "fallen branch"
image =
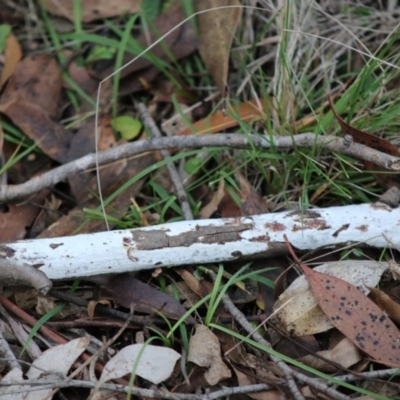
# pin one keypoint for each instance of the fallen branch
(206, 241)
(332, 143)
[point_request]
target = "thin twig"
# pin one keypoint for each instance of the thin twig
(334, 144)
(392, 372)
(20, 333)
(104, 310)
(150, 393)
(9, 356)
(173, 173)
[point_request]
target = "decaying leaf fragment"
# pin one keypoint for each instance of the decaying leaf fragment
(344, 354)
(51, 365)
(205, 351)
(128, 291)
(216, 31)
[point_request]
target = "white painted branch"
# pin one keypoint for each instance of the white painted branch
(206, 241)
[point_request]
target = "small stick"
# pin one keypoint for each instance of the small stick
(173, 173)
(309, 140)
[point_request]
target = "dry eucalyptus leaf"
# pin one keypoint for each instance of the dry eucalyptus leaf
(153, 363)
(302, 315)
(216, 31)
(31, 100)
(344, 353)
(8, 392)
(52, 364)
(205, 351)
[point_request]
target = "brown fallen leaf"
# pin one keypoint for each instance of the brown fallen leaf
(92, 306)
(91, 10)
(297, 309)
(201, 287)
(36, 79)
(216, 31)
(375, 142)
(12, 55)
(205, 351)
(184, 292)
(246, 112)
(14, 219)
(228, 207)
(248, 379)
(128, 291)
(196, 381)
(212, 206)
(31, 100)
(386, 303)
(251, 202)
(345, 354)
(354, 314)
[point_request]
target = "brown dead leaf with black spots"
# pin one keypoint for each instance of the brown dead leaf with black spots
(374, 142)
(31, 101)
(91, 10)
(216, 32)
(354, 314)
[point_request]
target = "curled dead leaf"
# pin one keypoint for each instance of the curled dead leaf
(205, 351)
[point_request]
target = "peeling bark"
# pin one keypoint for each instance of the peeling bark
(206, 241)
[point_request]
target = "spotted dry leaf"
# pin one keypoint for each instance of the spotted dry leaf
(355, 315)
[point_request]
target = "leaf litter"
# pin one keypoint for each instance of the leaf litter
(35, 99)
(302, 315)
(355, 315)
